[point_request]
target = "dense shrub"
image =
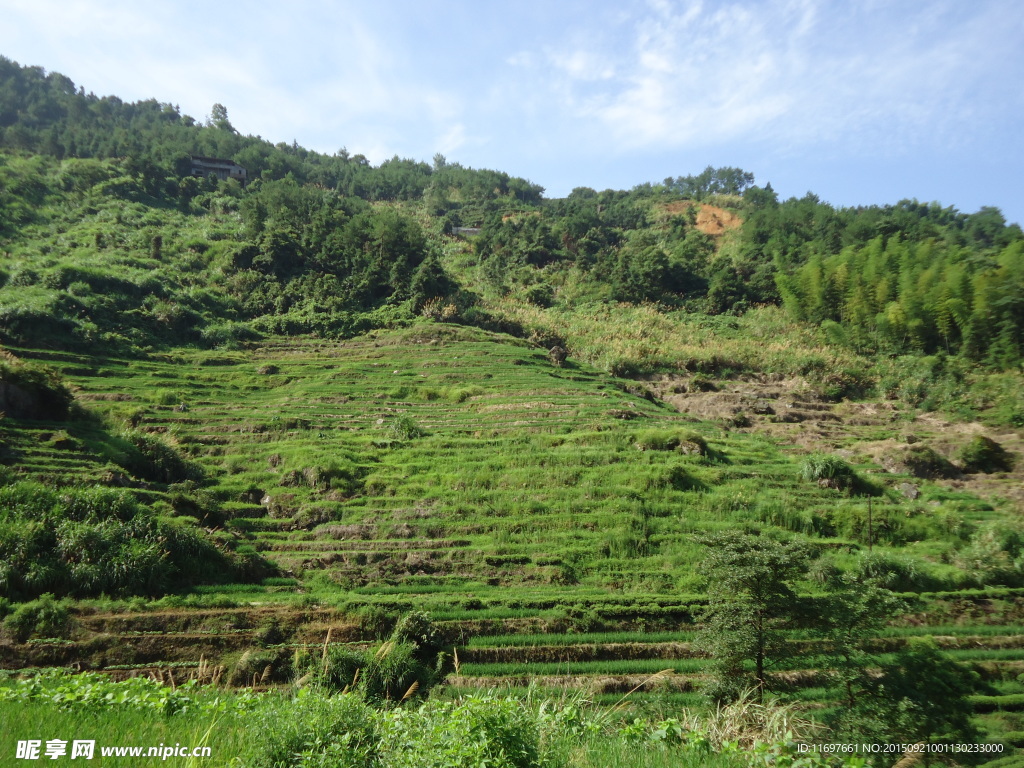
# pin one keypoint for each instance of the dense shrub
(899, 574)
(482, 730)
(685, 441)
(829, 471)
(983, 454)
(922, 461)
(44, 617)
(377, 622)
(33, 392)
(406, 428)
(342, 731)
(312, 730)
(89, 541)
(153, 459)
(408, 664)
(994, 555)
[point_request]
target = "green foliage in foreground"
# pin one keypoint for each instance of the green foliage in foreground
(408, 664)
(90, 691)
(305, 727)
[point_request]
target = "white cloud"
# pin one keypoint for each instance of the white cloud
(452, 139)
(521, 59)
(582, 65)
(788, 73)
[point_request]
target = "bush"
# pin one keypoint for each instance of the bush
(396, 673)
(474, 731)
(252, 668)
(687, 441)
(405, 428)
(377, 622)
(701, 382)
(152, 459)
(33, 392)
(844, 384)
(314, 730)
(408, 664)
(417, 627)
(228, 333)
(828, 471)
(994, 555)
(922, 461)
(45, 617)
(889, 572)
(541, 295)
(87, 541)
(983, 454)
(674, 477)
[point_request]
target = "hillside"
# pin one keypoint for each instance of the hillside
(241, 424)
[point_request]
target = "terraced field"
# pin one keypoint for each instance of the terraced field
(543, 515)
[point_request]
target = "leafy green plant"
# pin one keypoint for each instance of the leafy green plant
(94, 692)
(828, 471)
(313, 730)
(405, 428)
(31, 391)
(43, 617)
(983, 454)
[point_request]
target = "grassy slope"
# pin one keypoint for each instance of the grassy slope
(523, 464)
(526, 505)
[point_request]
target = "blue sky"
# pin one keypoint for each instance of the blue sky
(865, 101)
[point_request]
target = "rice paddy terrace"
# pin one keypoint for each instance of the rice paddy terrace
(544, 515)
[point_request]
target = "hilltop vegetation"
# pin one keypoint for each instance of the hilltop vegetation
(245, 430)
(894, 279)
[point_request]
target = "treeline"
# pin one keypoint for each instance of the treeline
(309, 257)
(44, 113)
(895, 279)
(618, 244)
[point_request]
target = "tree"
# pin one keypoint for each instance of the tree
(712, 181)
(852, 613)
(430, 281)
(920, 697)
(751, 603)
(219, 118)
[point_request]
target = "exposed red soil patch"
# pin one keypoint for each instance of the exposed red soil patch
(711, 220)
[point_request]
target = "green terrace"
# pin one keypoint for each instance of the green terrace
(546, 517)
(436, 457)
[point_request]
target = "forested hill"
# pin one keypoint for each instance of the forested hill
(108, 240)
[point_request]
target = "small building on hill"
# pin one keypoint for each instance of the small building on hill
(204, 167)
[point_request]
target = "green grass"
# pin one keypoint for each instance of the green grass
(515, 641)
(632, 667)
(520, 511)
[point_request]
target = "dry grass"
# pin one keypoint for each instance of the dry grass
(643, 338)
(747, 722)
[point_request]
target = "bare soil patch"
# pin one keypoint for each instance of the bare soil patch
(711, 220)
